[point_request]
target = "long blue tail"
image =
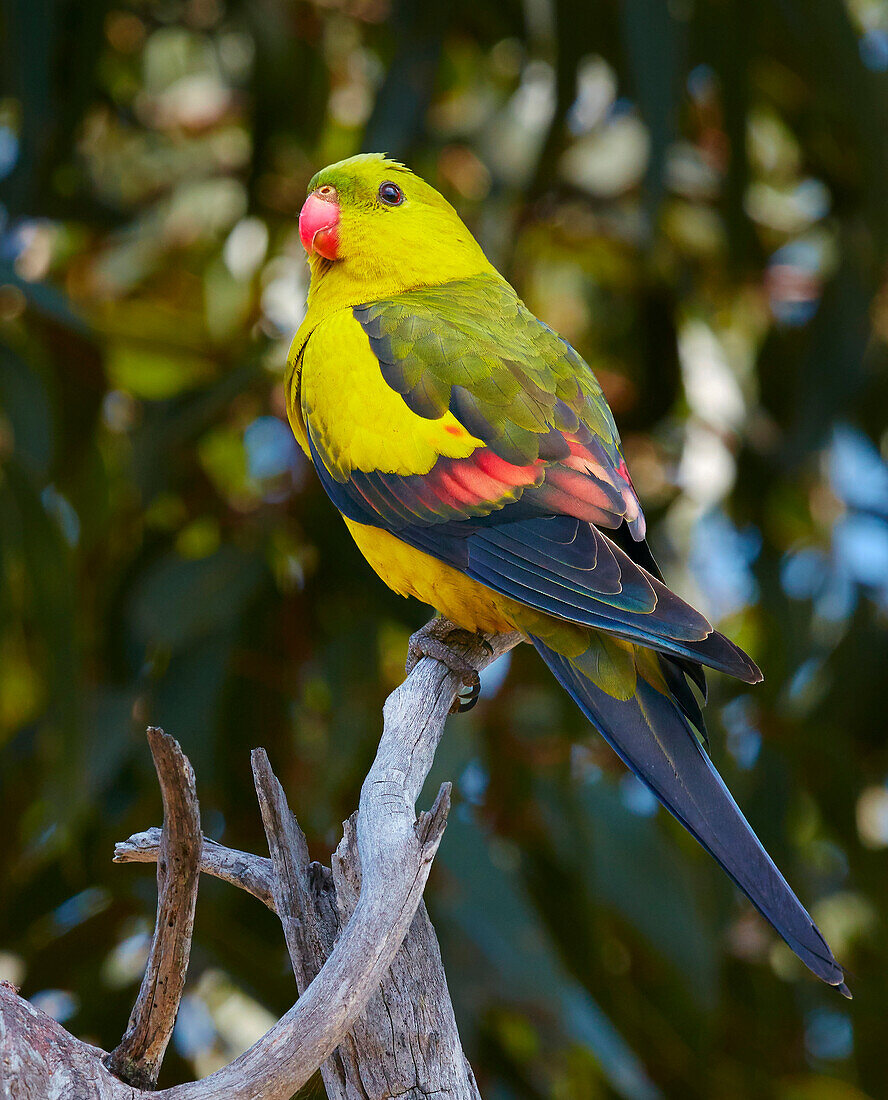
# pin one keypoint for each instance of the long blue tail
(654, 739)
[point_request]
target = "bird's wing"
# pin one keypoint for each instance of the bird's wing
(524, 513)
(472, 348)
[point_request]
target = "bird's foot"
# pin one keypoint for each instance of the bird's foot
(437, 639)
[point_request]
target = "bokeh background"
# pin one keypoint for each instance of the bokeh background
(694, 193)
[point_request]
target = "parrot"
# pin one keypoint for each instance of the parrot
(477, 465)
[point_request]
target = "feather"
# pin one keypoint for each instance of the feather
(652, 738)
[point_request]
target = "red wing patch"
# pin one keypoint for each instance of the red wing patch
(586, 484)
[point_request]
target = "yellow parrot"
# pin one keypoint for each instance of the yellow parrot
(477, 465)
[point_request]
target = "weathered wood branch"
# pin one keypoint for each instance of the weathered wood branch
(344, 928)
(395, 852)
(425, 1056)
(242, 869)
(405, 1043)
(138, 1057)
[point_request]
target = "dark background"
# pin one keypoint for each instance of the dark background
(694, 194)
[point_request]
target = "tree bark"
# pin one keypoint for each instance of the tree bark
(374, 1012)
(138, 1058)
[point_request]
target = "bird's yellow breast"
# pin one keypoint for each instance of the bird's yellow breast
(356, 418)
(465, 602)
(336, 387)
(411, 572)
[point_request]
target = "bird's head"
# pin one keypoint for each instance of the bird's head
(373, 228)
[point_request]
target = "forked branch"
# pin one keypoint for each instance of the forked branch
(344, 930)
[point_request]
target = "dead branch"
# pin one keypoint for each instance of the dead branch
(406, 1004)
(242, 869)
(138, 1057)
(395, 853)
(344, 929)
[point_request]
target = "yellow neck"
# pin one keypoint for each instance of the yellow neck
(387, 265)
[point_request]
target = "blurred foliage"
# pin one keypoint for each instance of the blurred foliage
(694, 194)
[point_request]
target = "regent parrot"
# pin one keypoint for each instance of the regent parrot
(477, 465)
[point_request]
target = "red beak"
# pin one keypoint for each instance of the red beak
(318, 225)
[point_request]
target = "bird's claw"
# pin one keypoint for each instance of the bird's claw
(462, 703)
(436, 640)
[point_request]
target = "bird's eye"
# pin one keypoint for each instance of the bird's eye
(391, 194)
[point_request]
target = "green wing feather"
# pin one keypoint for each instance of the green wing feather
(473, 346)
